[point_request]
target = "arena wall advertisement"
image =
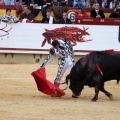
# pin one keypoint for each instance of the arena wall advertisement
(37, 37)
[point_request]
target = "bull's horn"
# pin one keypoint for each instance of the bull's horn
(67, 85)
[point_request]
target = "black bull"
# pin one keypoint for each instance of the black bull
(85, 72)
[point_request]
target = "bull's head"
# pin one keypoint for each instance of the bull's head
(74, 81)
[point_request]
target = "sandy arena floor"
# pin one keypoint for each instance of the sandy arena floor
(20, 99)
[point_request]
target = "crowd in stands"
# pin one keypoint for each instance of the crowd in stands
(69, 3)
(31, 9)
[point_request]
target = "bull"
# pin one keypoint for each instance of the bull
(94, 70)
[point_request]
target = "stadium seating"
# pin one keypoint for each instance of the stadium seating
(39, 17)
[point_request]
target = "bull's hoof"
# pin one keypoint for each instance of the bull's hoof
(111, 97)
(74, 96)
(94, 99)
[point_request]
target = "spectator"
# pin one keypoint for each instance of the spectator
(99, 2)
(55, 3)
(1, 2)
(79, 3)
(48, 19)
(97, 13)
(45, 5)
(68, 3)
(58, 11)
(90, 3)
(116, 3)
(26, 14)
(19, 2)
(65, 19)
(18, 6)
(106, 4)
(8, 18)
(115, 14)
(36, 7)
(81, 13)
(26, 2)
(9, 2)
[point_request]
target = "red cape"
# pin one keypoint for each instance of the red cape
(44, 85)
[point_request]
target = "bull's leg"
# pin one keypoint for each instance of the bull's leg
(95, 98)
(102, 89)
(97, 82)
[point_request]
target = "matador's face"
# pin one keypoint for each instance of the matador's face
(56, 47)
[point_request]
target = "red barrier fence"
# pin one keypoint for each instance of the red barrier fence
(97, 21)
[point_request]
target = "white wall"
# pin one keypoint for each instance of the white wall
(27, 37)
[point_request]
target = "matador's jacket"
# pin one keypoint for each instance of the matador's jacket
(65, 57)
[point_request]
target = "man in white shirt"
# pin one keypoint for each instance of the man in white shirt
(48, 19)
